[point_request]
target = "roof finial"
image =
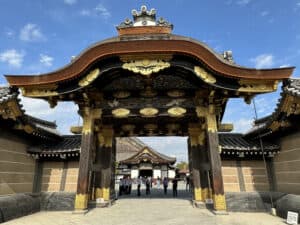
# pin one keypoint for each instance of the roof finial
(144, 17)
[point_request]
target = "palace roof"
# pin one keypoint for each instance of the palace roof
(232, 144)
(12, 111)
(285, 114)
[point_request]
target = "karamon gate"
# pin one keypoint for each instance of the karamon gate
(149, 82)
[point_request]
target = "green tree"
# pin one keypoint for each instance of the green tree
(182, 165)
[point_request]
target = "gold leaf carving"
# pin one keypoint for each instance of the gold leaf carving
(39, 91)
(257, 86)
(146, 66)
(207, 77)
(120, 112)
(148, 112)
(89, 78)
(176, 111)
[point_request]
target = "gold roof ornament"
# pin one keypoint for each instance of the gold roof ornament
(149, 112)
(204, 75)
(120, 112)
(85, 81)
(176, 111)
(146, 66)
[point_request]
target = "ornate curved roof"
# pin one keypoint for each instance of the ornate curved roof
(154, 44)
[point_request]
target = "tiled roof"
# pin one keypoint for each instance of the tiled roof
(127, 147)
(6, 94)
(290, 87)
(42, 128)
(69, 145)
(151, 155)
(235, 141)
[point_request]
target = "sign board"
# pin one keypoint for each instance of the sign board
(292, 218)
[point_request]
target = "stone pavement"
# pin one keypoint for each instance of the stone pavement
(155, 209)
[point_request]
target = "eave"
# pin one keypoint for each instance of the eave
(160, 44)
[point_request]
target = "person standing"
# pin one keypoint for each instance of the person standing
(175, 183)
(187, 184)
(158, 182)
(139, 182)
(165, 183)
(148, 184)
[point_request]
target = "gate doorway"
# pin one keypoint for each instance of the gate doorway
(149, 82)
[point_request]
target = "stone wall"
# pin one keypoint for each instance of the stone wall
(287, 165)
(244, 176)
(59, 176)
(16, 167)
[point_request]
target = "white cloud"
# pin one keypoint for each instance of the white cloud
(242, 125)
(99, 10)
(284, 65)
(243, 2)
(264, 13)
(70, 2)
(46, 60)
(85, 12)
(9, 33)
(31, 32)
(263, 61)
(65, 113)
(12, 57)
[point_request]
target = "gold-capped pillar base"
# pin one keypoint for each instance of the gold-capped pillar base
(198, 194)
(219, 202)
(206, 194)
(102, 193)
(81, 202)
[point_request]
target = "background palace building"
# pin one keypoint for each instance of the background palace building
(144, 82)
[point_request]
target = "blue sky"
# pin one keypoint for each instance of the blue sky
(40, 36)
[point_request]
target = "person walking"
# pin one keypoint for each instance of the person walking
(175, 183)
(165, 183)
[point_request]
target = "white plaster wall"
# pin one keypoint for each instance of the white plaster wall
(156, 173)
(171, 173)
(134, 173)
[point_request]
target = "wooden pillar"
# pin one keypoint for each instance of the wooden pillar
(214, 156)
(104, 163)
(204, 173)
(85, 161)
(196, 143)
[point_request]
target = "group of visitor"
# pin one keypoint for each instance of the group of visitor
(125, 185)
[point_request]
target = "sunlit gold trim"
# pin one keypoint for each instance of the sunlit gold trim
(120, 112)
(257, 85)
(146, 66)
(89, 78)
(176, 111)
(204, 75)
(149, 111)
